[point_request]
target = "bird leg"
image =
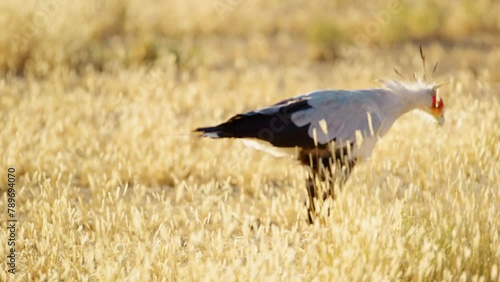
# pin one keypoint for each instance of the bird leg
(319, 184)
(318, 191)
(311, 193)
(326, 172)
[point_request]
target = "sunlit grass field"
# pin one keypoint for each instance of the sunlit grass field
(98, 101)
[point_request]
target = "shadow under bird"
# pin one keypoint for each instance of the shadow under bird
(331, 130)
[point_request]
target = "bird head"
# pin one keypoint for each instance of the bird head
(435, 105)
(418, 95)
(436, 108)
(427, 98)
(426, 93)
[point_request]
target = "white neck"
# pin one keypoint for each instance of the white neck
(399, 98)
(407, 96)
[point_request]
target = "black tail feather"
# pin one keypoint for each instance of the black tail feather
(274, 126)
(212, 131)
(207, 129)
(233, 128)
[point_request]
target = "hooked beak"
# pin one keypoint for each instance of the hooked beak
(440, 119)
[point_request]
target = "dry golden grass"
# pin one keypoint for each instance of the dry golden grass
(97, 109)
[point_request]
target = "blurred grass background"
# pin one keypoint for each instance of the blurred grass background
(41, 35)
(98, 100)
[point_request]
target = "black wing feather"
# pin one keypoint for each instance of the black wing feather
(275, 127)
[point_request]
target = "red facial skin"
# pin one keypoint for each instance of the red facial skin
(437, 106)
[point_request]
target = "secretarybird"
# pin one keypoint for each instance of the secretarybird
(331, 130)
